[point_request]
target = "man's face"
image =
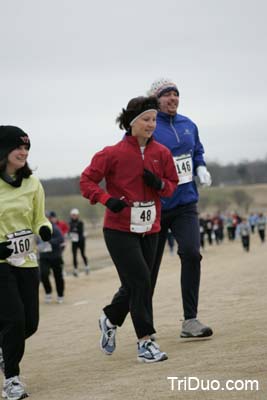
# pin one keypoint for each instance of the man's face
(168, 102)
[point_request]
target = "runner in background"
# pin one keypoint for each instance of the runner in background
(217, 225)
(137, 171)
(50, 256)
(179, 213)
(243, 231)
(230, 227)
(202, 231)
(22, 217)
(236, 220)
(209, 228)
(61, 224)
(252, 219)
(77, 237)
(64, 229)
(261, 226)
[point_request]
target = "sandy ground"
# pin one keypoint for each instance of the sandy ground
(63, 359)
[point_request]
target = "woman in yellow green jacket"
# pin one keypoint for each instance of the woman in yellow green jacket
(22, 216)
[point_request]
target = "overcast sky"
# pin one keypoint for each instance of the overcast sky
(68, 67)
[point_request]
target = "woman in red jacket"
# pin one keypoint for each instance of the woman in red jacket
(138, 171)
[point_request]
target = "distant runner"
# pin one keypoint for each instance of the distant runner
(76, 234)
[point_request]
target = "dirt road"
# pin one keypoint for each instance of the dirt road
(63, 360)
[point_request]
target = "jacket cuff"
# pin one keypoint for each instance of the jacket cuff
(103, 198)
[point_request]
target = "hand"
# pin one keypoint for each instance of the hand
(115, 205)
(204, 176)
(5, 252)
(45, 233)
(152, 180)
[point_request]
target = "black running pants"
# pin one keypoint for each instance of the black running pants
(184, 224)
(46, 264)
(19, 312)
(75, 246)
(133, 256)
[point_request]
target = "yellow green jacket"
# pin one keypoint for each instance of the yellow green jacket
(22, 208)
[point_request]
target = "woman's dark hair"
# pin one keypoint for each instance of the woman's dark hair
(136, 106)
(21, 173)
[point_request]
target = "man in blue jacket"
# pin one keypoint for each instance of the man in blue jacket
(179, 213)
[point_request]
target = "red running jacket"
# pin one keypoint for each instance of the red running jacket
(122, 166)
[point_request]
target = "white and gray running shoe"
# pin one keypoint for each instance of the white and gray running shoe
(14, 389)
(60, 299)
(48, 298)
(193, 328)
(87, 270)
(149, 352)
(108, 336)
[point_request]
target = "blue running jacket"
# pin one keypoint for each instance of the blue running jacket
(180, 135)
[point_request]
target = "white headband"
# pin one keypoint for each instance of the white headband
(142, 113)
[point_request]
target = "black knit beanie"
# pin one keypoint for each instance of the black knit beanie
(11, 137)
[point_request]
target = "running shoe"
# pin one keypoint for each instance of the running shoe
(87, 270)
(60, 299)
(193, 328)
(48, 298)
(149, 352)
(14, 389)
(108, 336)
(75, 273)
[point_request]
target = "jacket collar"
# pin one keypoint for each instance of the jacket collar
(166, 117)
(132, 139)
(13, 182)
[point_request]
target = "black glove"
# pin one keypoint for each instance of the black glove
(45, 233)
(115, 205)
(5, 252)
(152, 180)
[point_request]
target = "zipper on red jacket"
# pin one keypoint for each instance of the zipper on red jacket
(174, 130)
(143, 170)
